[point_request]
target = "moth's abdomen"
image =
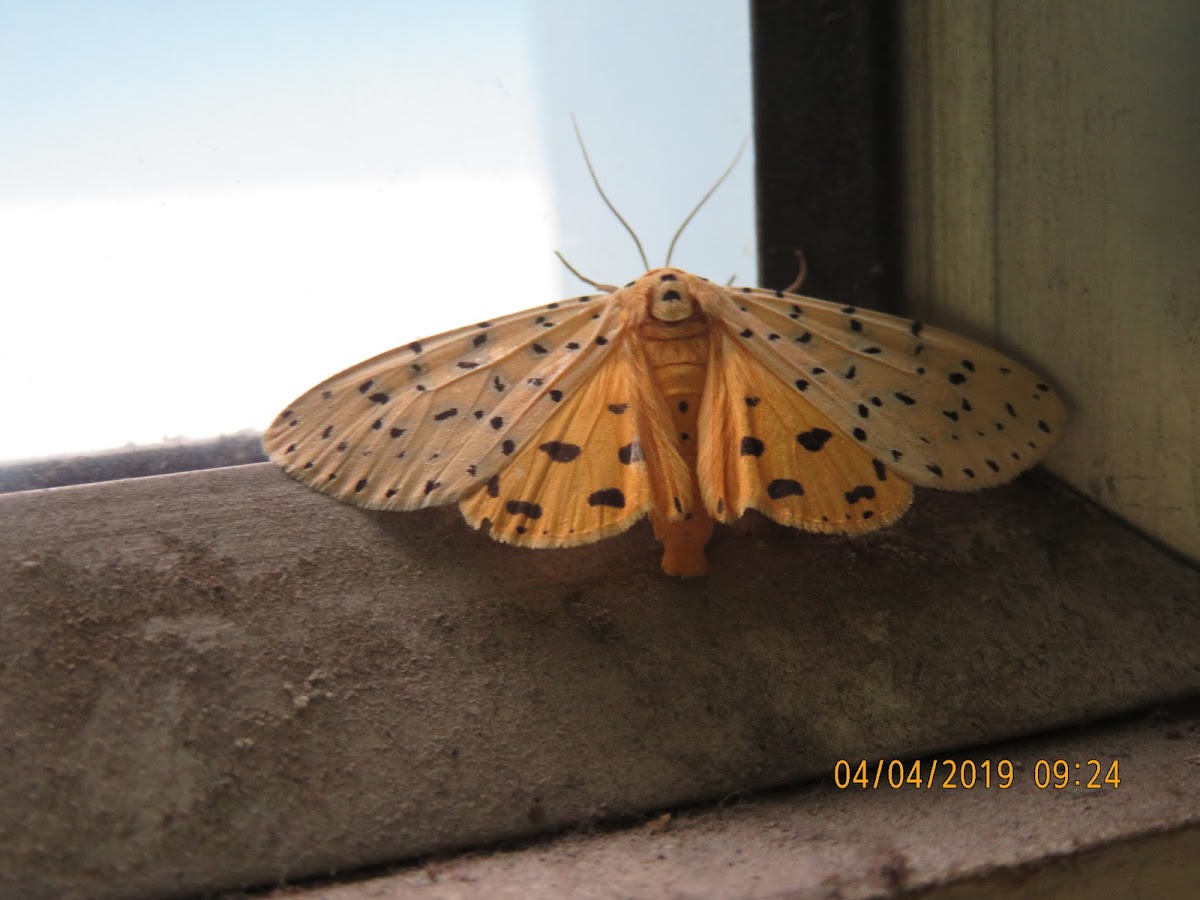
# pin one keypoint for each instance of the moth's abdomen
(678, 357)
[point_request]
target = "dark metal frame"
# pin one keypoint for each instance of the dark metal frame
(824, 84)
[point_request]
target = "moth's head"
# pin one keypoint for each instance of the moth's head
(670, 295)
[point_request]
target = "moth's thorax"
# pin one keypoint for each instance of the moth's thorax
(674, 332)
(668, 295)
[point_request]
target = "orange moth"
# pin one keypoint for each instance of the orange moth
(674, 398)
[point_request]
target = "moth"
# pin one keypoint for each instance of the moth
(674, 398)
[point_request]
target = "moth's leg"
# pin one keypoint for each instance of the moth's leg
(800, 275)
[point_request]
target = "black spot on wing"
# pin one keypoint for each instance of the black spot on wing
(607, 497)
(860, 492)
(781, 488)
(814, 439)
(630, 453)
(560, 451)
(523, 508)
(752, 446)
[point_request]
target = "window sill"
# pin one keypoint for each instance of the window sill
(220, 678)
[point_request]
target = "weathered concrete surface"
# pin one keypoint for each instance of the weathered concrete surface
(221, 678)
(1138, 839)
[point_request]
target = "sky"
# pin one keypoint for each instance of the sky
(207, 207)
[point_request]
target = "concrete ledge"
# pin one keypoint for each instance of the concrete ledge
(221, 678)
(1140, 839)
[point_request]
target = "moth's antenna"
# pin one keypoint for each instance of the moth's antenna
(712, 190)
(574, 271)
(596, 181)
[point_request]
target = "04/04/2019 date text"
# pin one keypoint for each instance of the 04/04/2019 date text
(968, 774)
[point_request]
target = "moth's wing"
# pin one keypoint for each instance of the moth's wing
(424, 424)
(599, 464)
(765, 446)
(936, 408)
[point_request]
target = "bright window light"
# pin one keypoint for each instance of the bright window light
(206, 208)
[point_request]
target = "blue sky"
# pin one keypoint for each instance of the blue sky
(180, 182)
(142, 95)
